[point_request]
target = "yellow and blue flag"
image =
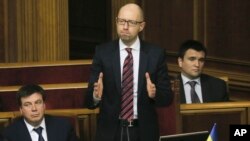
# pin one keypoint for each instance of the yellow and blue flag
(213, 136)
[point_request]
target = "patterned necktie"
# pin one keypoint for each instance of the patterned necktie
(39, 132)
(127, 87)
(194, 96)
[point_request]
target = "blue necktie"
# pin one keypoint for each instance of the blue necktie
(39, 132)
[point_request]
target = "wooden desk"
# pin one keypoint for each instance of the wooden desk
(198, 117)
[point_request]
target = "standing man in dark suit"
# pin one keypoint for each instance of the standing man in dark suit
(33, 125)
(191, 60)
(128, 67)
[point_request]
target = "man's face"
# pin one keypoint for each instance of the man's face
(32, 108)
(192, 63)
(126, 30)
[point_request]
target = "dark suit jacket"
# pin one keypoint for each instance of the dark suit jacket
(107, 60)
(213, 89)
(58, 129)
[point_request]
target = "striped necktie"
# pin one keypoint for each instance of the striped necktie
(127, 87)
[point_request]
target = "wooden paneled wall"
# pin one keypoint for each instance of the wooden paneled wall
(37, 31)
(2, 27)
(34, 30)
(89, 25)
(221, 25)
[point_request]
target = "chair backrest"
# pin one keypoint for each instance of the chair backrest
(62, 80)
(169, 117)
(59, 96)
(5, 119)
(226, 79)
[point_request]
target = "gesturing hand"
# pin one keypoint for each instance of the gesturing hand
(150, 86)
(98, 87)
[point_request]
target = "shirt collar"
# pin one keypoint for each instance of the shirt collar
(30, 127)
(185, 79)
(134, 46)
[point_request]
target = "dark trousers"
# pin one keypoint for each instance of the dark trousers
(126, 133)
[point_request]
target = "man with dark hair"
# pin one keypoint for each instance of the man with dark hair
(197, 87)
(33, 125)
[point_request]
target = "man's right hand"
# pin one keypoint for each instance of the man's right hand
(98, 87)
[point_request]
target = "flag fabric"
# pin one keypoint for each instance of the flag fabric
(213, 134)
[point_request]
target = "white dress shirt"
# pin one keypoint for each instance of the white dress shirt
(33, 134)
(136, 57)
(187, 89)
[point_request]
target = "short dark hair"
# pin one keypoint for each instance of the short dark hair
(28, 90)
(191, 44)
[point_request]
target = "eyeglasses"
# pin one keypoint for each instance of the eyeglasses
(129, 22)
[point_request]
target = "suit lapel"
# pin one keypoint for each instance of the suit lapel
(116, 66)
(50, 131)
(182, 92)
(142, 67)
(24, 134)
(205, 89)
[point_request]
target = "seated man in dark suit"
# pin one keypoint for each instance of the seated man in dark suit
(195, 86)
(33, 125)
